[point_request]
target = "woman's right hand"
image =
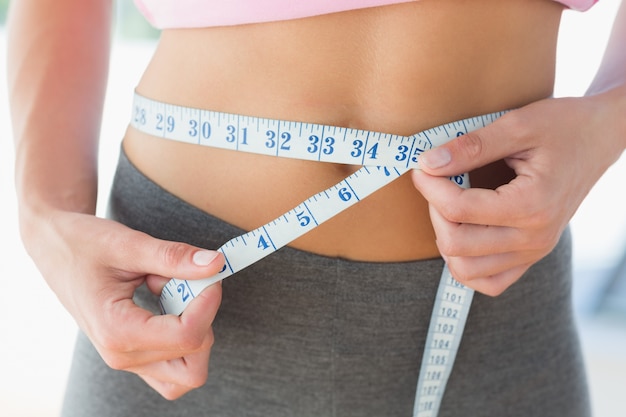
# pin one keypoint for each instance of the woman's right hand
(95, 265)
(57, 62)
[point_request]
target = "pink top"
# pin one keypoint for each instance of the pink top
(206, 13)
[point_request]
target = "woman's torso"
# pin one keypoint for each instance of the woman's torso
(395, 69)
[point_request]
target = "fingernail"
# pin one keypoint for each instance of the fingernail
(436, 158)
(204, 257)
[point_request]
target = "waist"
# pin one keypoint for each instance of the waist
(394, 69)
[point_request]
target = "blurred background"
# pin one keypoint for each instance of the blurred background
(37, 335)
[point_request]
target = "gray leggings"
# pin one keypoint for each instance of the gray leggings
(304, 335)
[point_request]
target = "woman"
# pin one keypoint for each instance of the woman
(334, 324)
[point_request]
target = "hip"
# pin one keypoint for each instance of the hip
(325, 335)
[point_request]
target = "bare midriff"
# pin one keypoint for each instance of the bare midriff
(396, 69)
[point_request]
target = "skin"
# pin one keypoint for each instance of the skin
(397, 69)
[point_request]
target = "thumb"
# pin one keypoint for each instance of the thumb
(177, 259)
(204, 263)
(472, 150)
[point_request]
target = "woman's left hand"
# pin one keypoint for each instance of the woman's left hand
(558, 149)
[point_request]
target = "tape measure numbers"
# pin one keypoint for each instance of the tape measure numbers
(384, 158)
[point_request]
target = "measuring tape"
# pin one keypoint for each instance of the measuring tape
(384, 158)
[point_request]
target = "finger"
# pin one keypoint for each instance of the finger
(136, 360)
(497, 284)
(464, 239)
(141, 253)
(156, 283)
(147, 338)
(499, 207)
(175, 377)
(202, 310)
(184, 333)
(469, 268)
(503, 138)
(167, 390)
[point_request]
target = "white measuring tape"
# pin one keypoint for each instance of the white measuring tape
(384, 158)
